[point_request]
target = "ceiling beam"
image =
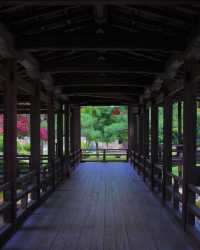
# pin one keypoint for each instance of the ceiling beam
(144, 69)
(103, 84)
(104, 2)
(108, 42)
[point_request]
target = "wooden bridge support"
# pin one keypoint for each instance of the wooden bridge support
(51, 139)
(10, 138)
(130, 129)
(154, 139)
(67, 137)
(60, 152)
(135, 135)
(35, 136)
(167, 146)
(189, 142)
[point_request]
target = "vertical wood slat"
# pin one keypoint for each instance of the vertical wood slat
(146, 132)
(145, 138)
(10, 137)
(77, 128)
(130, 129)
(51, 139)
(179, 123)
(60, 138)
(67, 138)
(189, 141)
(167, 145)
(138, 132)
(60, 132)
(135, 132)
(71, 130)
(141, 130)
(35, 136)
(154, 139)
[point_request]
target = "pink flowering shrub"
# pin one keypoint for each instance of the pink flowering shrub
(44, 134)
(23, 125)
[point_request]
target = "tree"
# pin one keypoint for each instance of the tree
(104, 124)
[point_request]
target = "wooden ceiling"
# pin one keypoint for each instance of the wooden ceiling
(102, 51)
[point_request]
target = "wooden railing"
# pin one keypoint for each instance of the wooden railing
(105, 155)
(169, 187)
(30, 188)
(75, 157)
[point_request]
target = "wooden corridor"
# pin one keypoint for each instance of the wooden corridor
(103, 206)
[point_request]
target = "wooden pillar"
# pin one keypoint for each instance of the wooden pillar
(130, 129)
(75, 129)
(67, 139)
(146, 132)
(60, 139)
(135, 132)
(78, 128)
(60, 133)
(72, 145)
(51, 139)
(167, 145)
(189, 142)
(10, 137)
(35, 136)
(154, 139)
(138, 132)
(141, 127)
(180, 123)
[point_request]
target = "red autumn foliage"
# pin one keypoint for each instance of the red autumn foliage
(23, 127)
(116, 111)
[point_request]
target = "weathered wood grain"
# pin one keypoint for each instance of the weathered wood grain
(104, 206)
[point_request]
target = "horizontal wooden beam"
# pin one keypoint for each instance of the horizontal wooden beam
(86, 2)
(103, 83)
(94, 93)
(108, 42)
(148, 69)
(100, 100)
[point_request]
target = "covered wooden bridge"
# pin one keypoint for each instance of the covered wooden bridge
(58, 55)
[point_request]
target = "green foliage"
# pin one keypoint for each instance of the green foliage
(23, 149)
(99, 124)
(85, 145)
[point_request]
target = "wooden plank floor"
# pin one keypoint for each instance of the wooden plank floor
(103, 206)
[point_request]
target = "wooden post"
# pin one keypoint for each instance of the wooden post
(180, 123)
(135, 139)
(141, 130)
(138, 132)
(78, 128)
(130, 130)
(51, 139)
(67, 137)
(167, 145)
(189, 141)
(35, 136)
(154, 139)
(104, 155)
(60, 137)
(75, 142)
(146, 132)
(72, 130)
(145, 138)
(10, 137)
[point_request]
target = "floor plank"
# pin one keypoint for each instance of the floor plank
(104, 206)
